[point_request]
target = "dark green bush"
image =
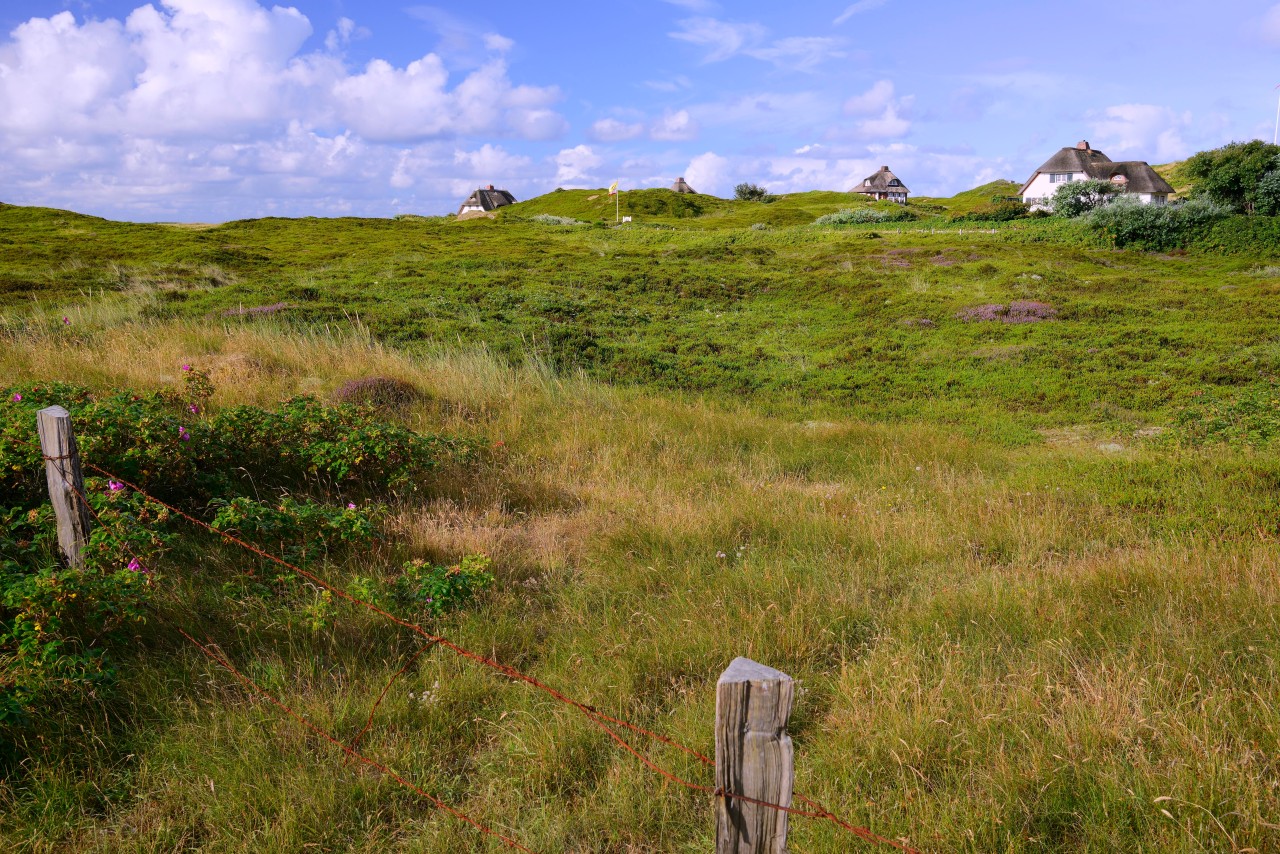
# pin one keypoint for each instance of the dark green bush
(1077, 198)
(752, 193)
(1231, 175)
(1002, 211)
(1267, 200)
(1128, 223)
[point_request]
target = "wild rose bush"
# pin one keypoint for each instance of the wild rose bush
(282, 478)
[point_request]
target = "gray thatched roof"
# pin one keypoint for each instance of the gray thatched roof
(681, 187)
(1136, 175)
(488, 199)
(881, 182)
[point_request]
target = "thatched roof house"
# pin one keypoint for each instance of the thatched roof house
(485, 200)
(1082, 163)
(883, 186)
(681, 187)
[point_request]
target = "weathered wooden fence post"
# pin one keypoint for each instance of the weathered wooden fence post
(754, 757)
(66, 482)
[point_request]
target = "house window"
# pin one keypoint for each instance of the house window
(1061, 177)
(895, 183)
(866, 183)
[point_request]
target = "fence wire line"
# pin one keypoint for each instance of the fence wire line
(598, 718)
(254, 688)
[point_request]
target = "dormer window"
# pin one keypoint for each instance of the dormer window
(895, 183)
(866, 183)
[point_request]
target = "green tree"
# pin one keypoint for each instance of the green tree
(1079, 197)
(751, 193)
(1268, 200)
(1231, 175)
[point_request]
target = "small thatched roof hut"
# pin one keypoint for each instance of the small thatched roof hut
(681, 187)
(883, 185)
(484, 200)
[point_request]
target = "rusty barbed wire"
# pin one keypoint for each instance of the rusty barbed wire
(350, 750)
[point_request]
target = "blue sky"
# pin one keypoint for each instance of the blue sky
(207, 110)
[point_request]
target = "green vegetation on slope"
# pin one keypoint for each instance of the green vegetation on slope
(879, 321)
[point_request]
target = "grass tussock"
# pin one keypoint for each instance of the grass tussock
(1041, 648)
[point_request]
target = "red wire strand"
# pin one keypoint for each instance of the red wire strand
(349, 750)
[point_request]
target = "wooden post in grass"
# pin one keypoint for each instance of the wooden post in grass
(754, 757)
(66, 481)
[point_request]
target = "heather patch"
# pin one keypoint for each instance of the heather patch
(1018, 311)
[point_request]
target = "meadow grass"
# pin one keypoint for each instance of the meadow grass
(1057, 645)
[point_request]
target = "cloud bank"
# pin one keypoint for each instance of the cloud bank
(197, 94)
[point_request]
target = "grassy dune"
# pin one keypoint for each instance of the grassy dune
(1039, 648)
(861, 320)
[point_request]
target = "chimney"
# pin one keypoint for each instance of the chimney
(884, 168)
(1083, 145)
(681, 178)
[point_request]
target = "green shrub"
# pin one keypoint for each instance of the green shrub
(859, 216)
(1077, 198)
(1250, 235)
(299, 531)
(1267, 200)
(58, 626)
(438, 590)
(552, 219)
(1231, 175)
(1006, 210)
(752, 193)
(1128, 223)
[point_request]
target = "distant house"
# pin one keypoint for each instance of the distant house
(1083, 163)
(681, 187)
(485, 200)
(883, 186)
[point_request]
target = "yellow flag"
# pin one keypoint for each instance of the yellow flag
(613, 188)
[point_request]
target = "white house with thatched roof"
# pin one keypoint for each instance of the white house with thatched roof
(1083, 163)
(680, 186)
(485, 200)
(883, 186)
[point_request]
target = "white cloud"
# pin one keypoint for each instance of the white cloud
(674, 127)
(800, 53)
(1142, 132)
(726, 39)
(576, 165)
(675, 84)
(872, 101)
(857, 9)
(497, 43)
(212, 105)
(722, 39)
(882, 111)
(769, 110)
(613, 130)
(344, 34)
(1270, 28)
(888, 125)
(709, 173)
